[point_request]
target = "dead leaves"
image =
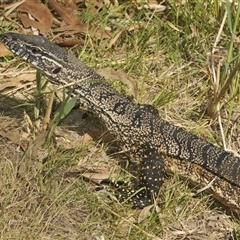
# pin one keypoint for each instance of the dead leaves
(15, 136)
(12, 81)
(66, 11)
(62, 17)
(120, 75)
(42, 17)
(58, 17)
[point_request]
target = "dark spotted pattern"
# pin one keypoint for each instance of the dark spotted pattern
(138, 128)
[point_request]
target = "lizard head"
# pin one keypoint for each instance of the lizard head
(58, 65)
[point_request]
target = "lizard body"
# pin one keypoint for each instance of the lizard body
(138, 128)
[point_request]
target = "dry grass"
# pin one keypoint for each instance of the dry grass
(44, 196)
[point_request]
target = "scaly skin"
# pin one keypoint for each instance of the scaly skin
(138, 128)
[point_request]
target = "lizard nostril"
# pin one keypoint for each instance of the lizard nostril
(57, 70)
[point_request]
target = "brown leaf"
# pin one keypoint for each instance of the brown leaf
(36, 147)
(98, 175)
(145, 213)
(81, 27)
(15, 81)
(69, 42)
(68, 139)
(156, 7)
(4, 51)
(114, 39)
(15, 136)
(40, 12)
(66, 12)
(84, 28)
(121, 76)
(95, 5)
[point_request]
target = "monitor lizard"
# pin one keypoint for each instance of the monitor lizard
(158, 145)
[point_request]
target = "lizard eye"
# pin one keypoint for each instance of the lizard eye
(35, 50)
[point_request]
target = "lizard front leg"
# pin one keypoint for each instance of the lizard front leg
(150, 180)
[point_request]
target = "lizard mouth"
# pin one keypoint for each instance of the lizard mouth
(6, 39)
(9, 39)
